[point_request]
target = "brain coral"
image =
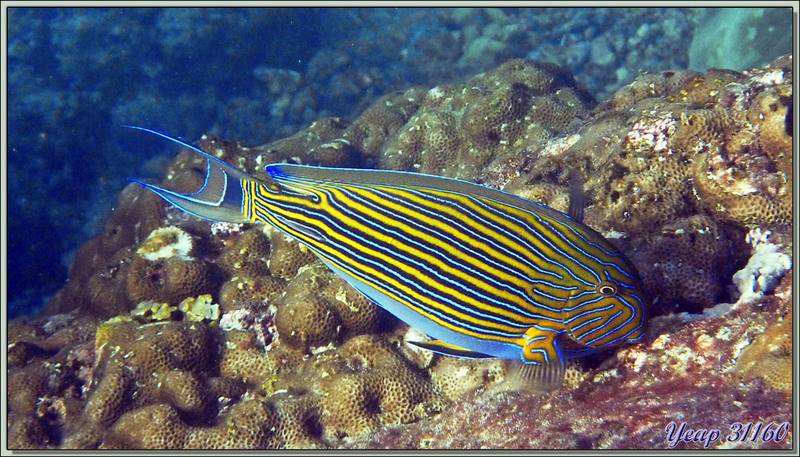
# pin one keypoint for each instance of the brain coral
(462, 127)
(365, 384)
(248, 256)
(689, 261)
(319, 308)
(678, 167)
(100, 266)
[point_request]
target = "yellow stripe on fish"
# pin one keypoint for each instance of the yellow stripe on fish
(486, 272)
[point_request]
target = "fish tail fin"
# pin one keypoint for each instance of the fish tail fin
(222, 196)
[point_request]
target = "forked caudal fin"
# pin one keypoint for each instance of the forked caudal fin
(220, 198)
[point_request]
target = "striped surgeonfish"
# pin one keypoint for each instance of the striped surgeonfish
(484, 272)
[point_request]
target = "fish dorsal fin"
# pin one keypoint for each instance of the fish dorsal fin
(404, 179)
(440, 347)
(577, 199)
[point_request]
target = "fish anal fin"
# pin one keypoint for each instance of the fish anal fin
(440, 347)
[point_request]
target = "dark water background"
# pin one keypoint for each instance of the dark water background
(75, 76)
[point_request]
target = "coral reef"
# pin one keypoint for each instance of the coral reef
(319, 308)
(765, 267)
(101, 266)
(491, 117)
(688, 262)
(689, 365)
(281, 70)
(176, 332)
(678, 154)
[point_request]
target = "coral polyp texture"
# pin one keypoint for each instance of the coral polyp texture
(176, 332)
(461, 128)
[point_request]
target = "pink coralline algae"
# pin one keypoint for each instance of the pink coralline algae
(652, 134)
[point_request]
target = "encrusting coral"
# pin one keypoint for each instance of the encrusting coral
(460, 128)
(176, 332)
(689, 262)
(769, 356)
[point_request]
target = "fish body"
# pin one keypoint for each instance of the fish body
(484, 272)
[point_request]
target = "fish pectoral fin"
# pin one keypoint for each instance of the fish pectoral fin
(304, 229)
(545, 377)
(440, 347)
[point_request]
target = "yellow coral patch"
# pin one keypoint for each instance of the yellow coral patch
(769, 356)
(200, 308)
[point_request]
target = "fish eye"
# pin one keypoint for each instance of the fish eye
(606, 288)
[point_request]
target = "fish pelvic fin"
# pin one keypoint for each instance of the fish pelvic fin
(222, 195)
(541, 348)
